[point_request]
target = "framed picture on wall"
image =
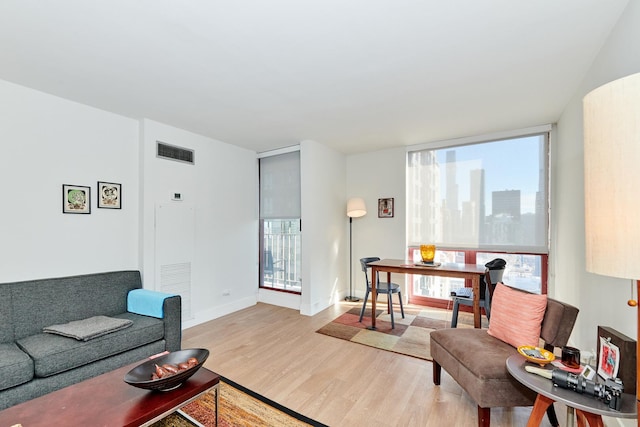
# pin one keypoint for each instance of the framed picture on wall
(385, 208)
(76, 199)
(109, 195)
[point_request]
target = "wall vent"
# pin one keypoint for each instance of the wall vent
(171, 152)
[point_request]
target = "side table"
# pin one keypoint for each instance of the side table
(587, 407)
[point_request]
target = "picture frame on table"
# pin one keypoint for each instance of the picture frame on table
(76, 199)
(385, 208)
(109, 195)
(608, 359)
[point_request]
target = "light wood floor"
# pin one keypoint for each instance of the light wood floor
(276, 352)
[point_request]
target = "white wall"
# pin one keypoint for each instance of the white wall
(49, 141)
(372, 176)
(222, 189)
(602, 300)
(323, 218)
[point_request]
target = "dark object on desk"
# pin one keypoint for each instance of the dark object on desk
(493, 275)
(627, 346)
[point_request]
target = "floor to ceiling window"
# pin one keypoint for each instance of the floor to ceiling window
(280, 222)
(478, 201)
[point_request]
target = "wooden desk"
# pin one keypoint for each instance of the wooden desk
(462, 271)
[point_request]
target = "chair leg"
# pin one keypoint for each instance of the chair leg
(437, 371)
(487, 310)
(454, 316)
(364, 305)
(484, 417)
(401, 308)
(390, 304)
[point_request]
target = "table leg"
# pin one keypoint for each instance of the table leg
(539, 410)
(217, 403)
(475, 286)
(374, 297)
(587, 418)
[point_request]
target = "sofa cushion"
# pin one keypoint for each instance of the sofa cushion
(16, 367)
(53, 354)
(516, 316)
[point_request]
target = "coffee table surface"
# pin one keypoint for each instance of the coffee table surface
(106, 400)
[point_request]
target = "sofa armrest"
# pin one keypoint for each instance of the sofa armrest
(172, 308)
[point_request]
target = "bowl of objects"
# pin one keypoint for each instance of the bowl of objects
(536, 354)
(168, 371)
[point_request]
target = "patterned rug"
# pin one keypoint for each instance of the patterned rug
(239, 407)
(410, 335)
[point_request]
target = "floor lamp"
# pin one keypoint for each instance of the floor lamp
(612, 176)
(355, 209)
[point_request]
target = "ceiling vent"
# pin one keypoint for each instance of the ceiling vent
(171, 152)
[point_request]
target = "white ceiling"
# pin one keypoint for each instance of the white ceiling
(356, 75)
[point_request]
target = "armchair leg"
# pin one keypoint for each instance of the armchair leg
(437, 371)
(484, 417)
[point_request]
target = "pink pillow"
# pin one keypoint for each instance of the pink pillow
(516, 316)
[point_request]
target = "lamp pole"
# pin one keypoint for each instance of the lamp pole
(355, 209)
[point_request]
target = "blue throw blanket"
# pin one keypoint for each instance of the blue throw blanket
(146, 302)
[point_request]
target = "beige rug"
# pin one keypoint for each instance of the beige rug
(410, 335)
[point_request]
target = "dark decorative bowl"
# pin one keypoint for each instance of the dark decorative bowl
(140, 376)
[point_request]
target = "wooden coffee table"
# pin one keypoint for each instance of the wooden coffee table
(106, 400)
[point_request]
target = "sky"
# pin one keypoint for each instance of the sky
(509, 165)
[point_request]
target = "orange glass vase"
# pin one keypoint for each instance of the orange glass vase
(427, 252)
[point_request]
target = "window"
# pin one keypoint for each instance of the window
(280, 222)
(479, 201)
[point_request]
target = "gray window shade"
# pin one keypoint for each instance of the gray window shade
(486, 196)
(280, 186)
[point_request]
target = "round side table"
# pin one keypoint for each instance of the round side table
(588, 407)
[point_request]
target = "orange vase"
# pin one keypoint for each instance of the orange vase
(427, 252)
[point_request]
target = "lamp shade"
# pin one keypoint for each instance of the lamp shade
(356, 207)
(612, 178)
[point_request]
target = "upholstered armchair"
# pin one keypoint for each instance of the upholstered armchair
(477, 360)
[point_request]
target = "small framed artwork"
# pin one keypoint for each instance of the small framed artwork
(109, 195)
(608, 359)
(76, 199)
(385, 208)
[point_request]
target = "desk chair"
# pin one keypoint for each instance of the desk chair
(381, 288)
(493, 275)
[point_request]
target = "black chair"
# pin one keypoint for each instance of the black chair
(493, 275)
(381, 288)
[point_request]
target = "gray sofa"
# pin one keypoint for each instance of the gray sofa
(33, 363)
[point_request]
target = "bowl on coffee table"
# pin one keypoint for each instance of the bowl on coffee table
(142, 376)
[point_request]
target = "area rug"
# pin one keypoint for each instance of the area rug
(239, 407)
(410, 335)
